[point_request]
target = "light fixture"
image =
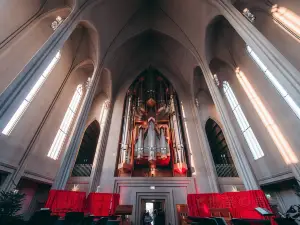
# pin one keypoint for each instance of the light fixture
(248, 15)
(57, 22)
(152, 187)
(234, 189)
(268, 196)
(215, 77)
(76, 187)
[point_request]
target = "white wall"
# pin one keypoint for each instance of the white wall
(14, 146)
(24, 45)
(278, 36)
(271, 167)
(172, 190)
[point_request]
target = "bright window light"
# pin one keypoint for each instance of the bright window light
(287, 20)
(253, 144)
(274, 131)
(30, 96)
(65, 124)
(275, 83)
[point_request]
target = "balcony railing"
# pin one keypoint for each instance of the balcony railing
(226, 170)
(82, 170)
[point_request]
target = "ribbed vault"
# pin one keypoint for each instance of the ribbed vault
(141, 33)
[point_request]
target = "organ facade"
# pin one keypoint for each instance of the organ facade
(152, 140)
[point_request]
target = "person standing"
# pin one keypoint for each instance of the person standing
(147, 219)
(160, 218)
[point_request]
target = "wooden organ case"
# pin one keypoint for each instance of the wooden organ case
(151, 142)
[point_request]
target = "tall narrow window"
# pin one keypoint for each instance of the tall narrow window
(253, 144)
(275, 83)
(30, 96)
(287, 20)
(65, 124)
(274, 131)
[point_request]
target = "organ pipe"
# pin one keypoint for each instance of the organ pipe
(140, 144)
(151, 141)
(151, 124)
(126, 137)
(164, 148)
(178, 145)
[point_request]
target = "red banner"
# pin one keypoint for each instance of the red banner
(60, 202)
(102, 204)
(99, 204)
(241, 204)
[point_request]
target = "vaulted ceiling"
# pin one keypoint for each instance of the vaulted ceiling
(167, 34)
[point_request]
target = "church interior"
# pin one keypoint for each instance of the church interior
(181, 110)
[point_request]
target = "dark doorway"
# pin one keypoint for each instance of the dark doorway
(156, 210)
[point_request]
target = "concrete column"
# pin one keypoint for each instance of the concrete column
(195, 149)
(110, 158)
(280, 67)
(14, 94)
(75, 137)
(213, 178)
(240, 160)
(100, 151)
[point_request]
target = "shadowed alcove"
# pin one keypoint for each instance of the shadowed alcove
(86, 154)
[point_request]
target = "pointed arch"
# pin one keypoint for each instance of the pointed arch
(221, 155)
(87, 150)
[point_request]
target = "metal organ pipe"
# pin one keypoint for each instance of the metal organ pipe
(150, 113)
(177, 132)
(126, 142)
(162, 98)
(140, 102)
(151, 141)
(140, 144)
(163, 144)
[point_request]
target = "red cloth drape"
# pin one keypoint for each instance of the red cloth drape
(199, 204)
(102, 204)
(241, 204)
(60, 202)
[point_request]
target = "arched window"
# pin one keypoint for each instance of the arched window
(252, 142)
(286, 19)
(274, 131)
(86, 154)
(219, 149)
(275, 82)
(65, 124)
(30, 96)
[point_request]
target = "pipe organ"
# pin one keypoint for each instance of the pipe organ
(151, 138)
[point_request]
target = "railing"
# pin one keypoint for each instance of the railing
(82, 170)
(226, 170)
